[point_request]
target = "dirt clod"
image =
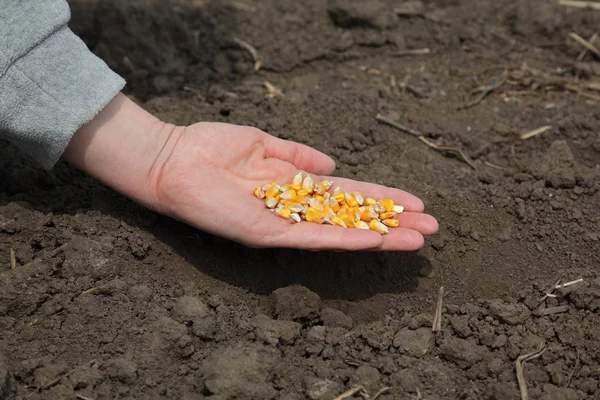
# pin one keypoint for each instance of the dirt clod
(296, 303)
(240, 372)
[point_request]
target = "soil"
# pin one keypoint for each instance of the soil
(108, 300)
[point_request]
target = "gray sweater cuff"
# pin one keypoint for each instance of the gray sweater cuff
(50, 92)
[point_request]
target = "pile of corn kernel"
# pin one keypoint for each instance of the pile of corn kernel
(306, 200)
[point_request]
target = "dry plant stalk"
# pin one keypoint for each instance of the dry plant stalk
(585, 43)
(412, 52)
(591, 40)
(13, 258)
(519, 369)
(250, 49)
(493, 85)
(579, 4)
(437, 317)
(451, 149)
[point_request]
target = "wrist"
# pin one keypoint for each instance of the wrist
(123, 147)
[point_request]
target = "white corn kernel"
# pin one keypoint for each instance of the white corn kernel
(271, 202)
(295, 217)
(297, 179)
(308, 183)
(359, 198)
(398, 209)
(361, 225)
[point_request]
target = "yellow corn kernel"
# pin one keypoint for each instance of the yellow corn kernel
(314, 215)
(392, 223)
(259, 193)
(339, 222)
(387, 204)
(343, 209)
(339, 197)
(353, 213)
(288, 194)
(295, 217)
(369, 201)
(329, 213)
(350, 200)
(359, 198)
(302, 192)
(297, 180)
(398, 209)
(387, 215)
(366, 216)
(319, 198)
(293, 206)
(335, 206)
(296, 187)
(283, 212)
(349, 221)
(268, 186)
(272, 192)
(301, 199)
(378, 227)
(308, 184)
(361, 225)
(271, 202)
(337, 190)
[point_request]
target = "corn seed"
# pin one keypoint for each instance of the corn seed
(392, 223)
(378, 227)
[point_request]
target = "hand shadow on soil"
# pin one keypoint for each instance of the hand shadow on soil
(332, 275)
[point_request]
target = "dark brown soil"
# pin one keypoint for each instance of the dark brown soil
(177, 314)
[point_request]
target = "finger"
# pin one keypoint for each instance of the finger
(402, 239)
(311, 236)
(422, 223)
(405, 199)
(301, 156)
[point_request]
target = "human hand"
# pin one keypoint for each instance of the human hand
(208, 177)
(205, 174)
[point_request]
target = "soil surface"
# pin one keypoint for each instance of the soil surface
(108, 300)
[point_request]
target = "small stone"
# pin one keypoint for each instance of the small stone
(296, 303)
(414, 342)
(336, 319)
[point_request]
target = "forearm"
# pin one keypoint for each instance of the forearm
(50, 83)
(123, 147)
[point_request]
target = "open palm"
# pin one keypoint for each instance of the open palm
(208, 178)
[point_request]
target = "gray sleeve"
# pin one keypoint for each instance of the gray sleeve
(50, 83)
